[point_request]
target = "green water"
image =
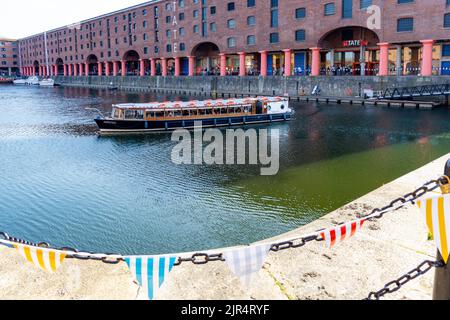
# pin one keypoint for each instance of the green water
(62, 183)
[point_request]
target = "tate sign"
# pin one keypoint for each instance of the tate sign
(355, 43)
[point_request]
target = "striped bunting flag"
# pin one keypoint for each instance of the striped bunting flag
(341, 232)
(437, 212)
(151, 272)
(46, 259)
(244, 262)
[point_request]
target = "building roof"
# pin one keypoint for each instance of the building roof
(98, 17)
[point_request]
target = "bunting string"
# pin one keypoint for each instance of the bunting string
(244, 261)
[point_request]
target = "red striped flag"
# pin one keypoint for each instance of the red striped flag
(341, 232)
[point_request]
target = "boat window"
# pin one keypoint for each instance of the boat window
(282, 107)
(185, 113)
(159, 114)
(177, 113)
(201, 112)
(134, 114)
(209, 111)
(117, 114)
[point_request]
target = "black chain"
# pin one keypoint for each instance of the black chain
(204, 258)
(396, 285)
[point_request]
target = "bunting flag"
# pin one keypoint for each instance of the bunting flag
(151, 272)
(437, 212)
(244, 262)
(341, 232)
(46, 259)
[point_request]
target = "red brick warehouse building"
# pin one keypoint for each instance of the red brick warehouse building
(9, 57)
(249, 37)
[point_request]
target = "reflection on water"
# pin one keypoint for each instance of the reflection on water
(62, 183)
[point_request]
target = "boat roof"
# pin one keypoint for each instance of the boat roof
(196, 103)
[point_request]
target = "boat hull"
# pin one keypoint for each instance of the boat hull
(108, 126)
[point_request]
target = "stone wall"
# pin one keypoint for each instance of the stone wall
(294, 86)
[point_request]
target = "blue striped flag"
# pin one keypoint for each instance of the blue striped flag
(151, 272)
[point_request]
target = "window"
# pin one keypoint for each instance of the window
(347, 9)
(231, 6)
(231, 24)
(251, 21)
(405, 24)
(182, 46)
(329, 9)
(300, 13)
(300, 35)
(274, 37)
(364, 4)
(251, 40)
(182, 32)
(274, 18)
(196, 29)
(231, 42)
(250, 3)
(195, 14)
(447, 19)
(213, 27)
(213, 10)
(169, 48)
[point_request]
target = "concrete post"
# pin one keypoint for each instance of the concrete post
(315, 64)
(384, 59)
(177, 67)
(242, 71)
(115, 68)
(223, 64)
(124, 68)
(164, 67)
(191, 66)
(441, 289)
(362, 60)
(263, 71)
(427, 57)
(399, 64)
(287, 62)
(107, 69)
(153, 71)
(100, 69)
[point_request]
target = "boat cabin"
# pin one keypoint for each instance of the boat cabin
(200, 109)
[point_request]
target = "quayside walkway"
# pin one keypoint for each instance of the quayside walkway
(383, 251)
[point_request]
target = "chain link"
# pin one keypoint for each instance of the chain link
(204, 258)
(397, 284)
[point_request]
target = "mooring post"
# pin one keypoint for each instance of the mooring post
(441, 290)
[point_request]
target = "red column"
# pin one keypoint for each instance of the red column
(75, 70)
(223, 64)
(427, 57)
(142, 67)
(124, 68)
(177, 67)
(384, 59)
(153, 67)
(263, 70)
(164, 67)
(287, 62)
(115, 68)
(86, 72)
(100, 69)
(70, 70)
(315, 64)
(242, 71)
(65, 70)
(80, 69)
(107, 70)
(56, 70)
(191, 66)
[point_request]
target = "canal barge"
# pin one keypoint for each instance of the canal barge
(169, 116)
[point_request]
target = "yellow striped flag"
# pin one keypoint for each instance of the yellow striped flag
(437, 212)
(47, 259)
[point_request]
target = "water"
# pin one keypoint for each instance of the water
(62, 183)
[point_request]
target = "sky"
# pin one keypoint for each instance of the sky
(21, 18)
